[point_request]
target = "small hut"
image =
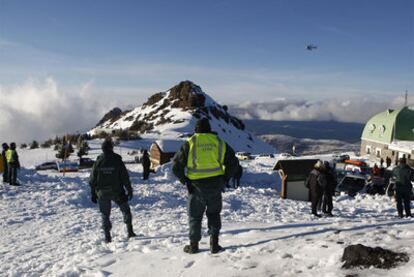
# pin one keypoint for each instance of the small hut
(162, 151)
(293, 173)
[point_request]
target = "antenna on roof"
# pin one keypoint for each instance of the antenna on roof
(406, 99)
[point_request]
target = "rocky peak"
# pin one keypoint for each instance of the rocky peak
(111, 116)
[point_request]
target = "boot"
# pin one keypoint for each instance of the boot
(192, 248)
(131, 233)
(214, 245)
(108, 237)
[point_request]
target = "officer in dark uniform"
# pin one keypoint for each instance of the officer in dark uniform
(5, 167)
(204, 164)
(403, 175)
(13, 164)
(109, 179)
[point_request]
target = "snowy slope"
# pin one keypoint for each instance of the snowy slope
(174, 113)
(50, 228)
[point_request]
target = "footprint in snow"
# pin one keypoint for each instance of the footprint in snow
(189, 264)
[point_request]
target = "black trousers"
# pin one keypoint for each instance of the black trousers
(12, 174)
(6, 174)
(236, 182)
(403, 199)
(145, 174)
(327, 205)
(316, 198)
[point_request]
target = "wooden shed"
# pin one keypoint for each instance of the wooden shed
(293, 173)
(162, 151)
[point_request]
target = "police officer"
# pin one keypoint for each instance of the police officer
(204, 164)
(13, 164)
(108, 181)
(5, 147)
(403, 175)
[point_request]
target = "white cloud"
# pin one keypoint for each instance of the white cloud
(39, 110)
(350, 110)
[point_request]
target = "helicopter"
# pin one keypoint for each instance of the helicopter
(311, 47)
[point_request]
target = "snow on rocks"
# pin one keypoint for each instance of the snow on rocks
(49, 227)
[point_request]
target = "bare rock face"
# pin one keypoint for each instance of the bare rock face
(111, 116)
(364, 256)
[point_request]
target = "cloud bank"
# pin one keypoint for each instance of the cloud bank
(353, 110)
(40, 110)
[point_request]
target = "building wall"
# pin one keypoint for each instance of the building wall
(385, 152)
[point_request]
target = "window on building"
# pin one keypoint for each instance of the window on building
(378, 152)
(393, 153)
(368, 149)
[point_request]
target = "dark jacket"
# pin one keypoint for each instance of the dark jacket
(180, 164)
(331, 182)
(109, 175)
(403, 175)
(316, 181)
(239, 172)
(146, 163)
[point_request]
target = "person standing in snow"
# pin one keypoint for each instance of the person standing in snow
(204, 164)
(108, 181)
(316, 183)
(237, 177)
(13, 164)
(329, 190)
(146, 163)
(403, 175)
(5, 147)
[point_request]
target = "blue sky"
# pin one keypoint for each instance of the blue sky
(237, 50)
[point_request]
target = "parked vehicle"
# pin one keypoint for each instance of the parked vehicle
(340, 158)
(47, 166)
(86, 163)
(243, 156)
(285, 155)
(265, 156)
(351, 184)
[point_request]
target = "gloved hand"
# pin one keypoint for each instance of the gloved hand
(189, 186)
(130, 194)
(94, 198)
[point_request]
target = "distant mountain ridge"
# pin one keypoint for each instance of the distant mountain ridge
(172, 114)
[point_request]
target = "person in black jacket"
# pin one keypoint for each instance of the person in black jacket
(329, 190)
(5, 147)
(146, 164)
(13, 164)
(237, 177)
(109, 181)
(316, 183)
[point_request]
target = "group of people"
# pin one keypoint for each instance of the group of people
(321, 183)
(10, 162)
(204, 164)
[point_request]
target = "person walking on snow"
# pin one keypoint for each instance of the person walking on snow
(316, 183)
(108, 181)
(146, 163)
(403, 175)
(237, 177)
(204, 164)
(5, 147)
(13, 164)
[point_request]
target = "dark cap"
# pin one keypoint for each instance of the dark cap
(203, 126)
(107, 145)
(13, 146)
(403, 160)
(5, 145)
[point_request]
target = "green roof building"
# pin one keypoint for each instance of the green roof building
(387, 130)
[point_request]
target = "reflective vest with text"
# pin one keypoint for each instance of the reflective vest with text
(205, 156)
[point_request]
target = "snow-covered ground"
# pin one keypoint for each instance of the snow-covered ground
(49, 227)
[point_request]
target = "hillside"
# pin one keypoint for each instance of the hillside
(172, 115)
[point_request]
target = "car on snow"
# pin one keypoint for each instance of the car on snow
(351, 184)
(243, 156)
(284, 156)
(265, 156)
(85, 163)
(340, 158)
(47, 166)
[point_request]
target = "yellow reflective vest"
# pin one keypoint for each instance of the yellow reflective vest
(10, 155)
(205, 156)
